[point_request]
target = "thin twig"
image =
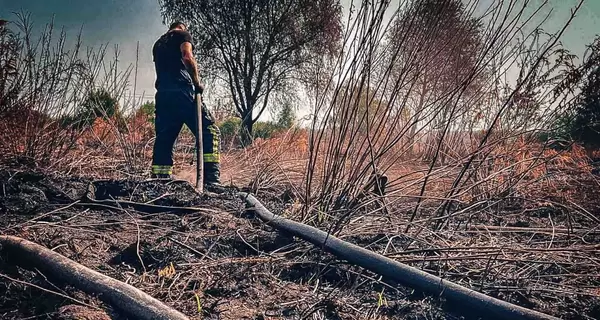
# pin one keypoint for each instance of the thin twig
(198, 253)
(40, 216)
(49, 291)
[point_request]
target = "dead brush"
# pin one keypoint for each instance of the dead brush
(44, 121)
(414, 89)
(124, 134)
(274, 164)
(47, 80)
(126, 140)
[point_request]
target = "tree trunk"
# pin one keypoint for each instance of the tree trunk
(246, 134)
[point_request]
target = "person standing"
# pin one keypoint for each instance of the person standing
(177, 85)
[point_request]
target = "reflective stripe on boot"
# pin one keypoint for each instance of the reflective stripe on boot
(162, 169)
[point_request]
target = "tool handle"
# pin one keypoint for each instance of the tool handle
(199, 146)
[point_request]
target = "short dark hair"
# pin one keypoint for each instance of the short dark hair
(176, 24)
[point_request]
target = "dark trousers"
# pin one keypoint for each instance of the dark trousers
(174, 109)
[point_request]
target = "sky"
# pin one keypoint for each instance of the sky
(106, 21)
(127, 22)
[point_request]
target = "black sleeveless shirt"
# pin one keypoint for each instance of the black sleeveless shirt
(171, 73)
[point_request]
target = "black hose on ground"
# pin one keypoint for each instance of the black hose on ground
(475, 303)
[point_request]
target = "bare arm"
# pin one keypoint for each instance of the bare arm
(190, 64)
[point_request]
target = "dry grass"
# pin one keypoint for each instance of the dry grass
(536, 247)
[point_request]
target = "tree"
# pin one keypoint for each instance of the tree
(286, 117)
(586, 122)
(257, 47)
(581, 119)
(10, 48)
(436, 47)
(230, 129)
(98, 104)
(576, 119)
(148, 110)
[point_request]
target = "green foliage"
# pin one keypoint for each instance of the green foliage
(562, 128)
(560, 133)
(148, 111)
(586, 119)
(231, 128)
(99, 104)
(581, 123)
(286, 117)
(265, 129)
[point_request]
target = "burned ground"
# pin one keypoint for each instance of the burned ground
(215, 263)
(209, 258)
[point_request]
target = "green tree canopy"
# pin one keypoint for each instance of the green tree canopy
(286, 117)
(586, 121)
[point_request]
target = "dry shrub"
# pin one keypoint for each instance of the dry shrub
(100, 134)
(116, 146)
(520, 164)
(47, 87)
(416, 91)
(111, 133)
(30, 138)
(275, 164)
(574, 160)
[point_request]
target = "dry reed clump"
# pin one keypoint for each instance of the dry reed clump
(535, 246)
(275, 164)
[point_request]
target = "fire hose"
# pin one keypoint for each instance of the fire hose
(473, 302)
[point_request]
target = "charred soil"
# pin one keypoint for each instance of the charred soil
(208, 257)
(210, 260)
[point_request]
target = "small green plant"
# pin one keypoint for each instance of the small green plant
(381, 301)
(148, 111)
(198, 302)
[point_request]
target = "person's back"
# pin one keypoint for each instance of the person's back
(171, 73)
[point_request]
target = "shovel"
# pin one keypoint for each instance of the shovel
(199, 146)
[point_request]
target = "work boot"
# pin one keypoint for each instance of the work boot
(161, 176)
(212, 177)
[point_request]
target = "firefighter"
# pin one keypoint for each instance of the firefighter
(177, 85)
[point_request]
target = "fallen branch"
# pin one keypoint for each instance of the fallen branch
(473, 301)
(196, 252)
(41, 216)
(127, 298)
